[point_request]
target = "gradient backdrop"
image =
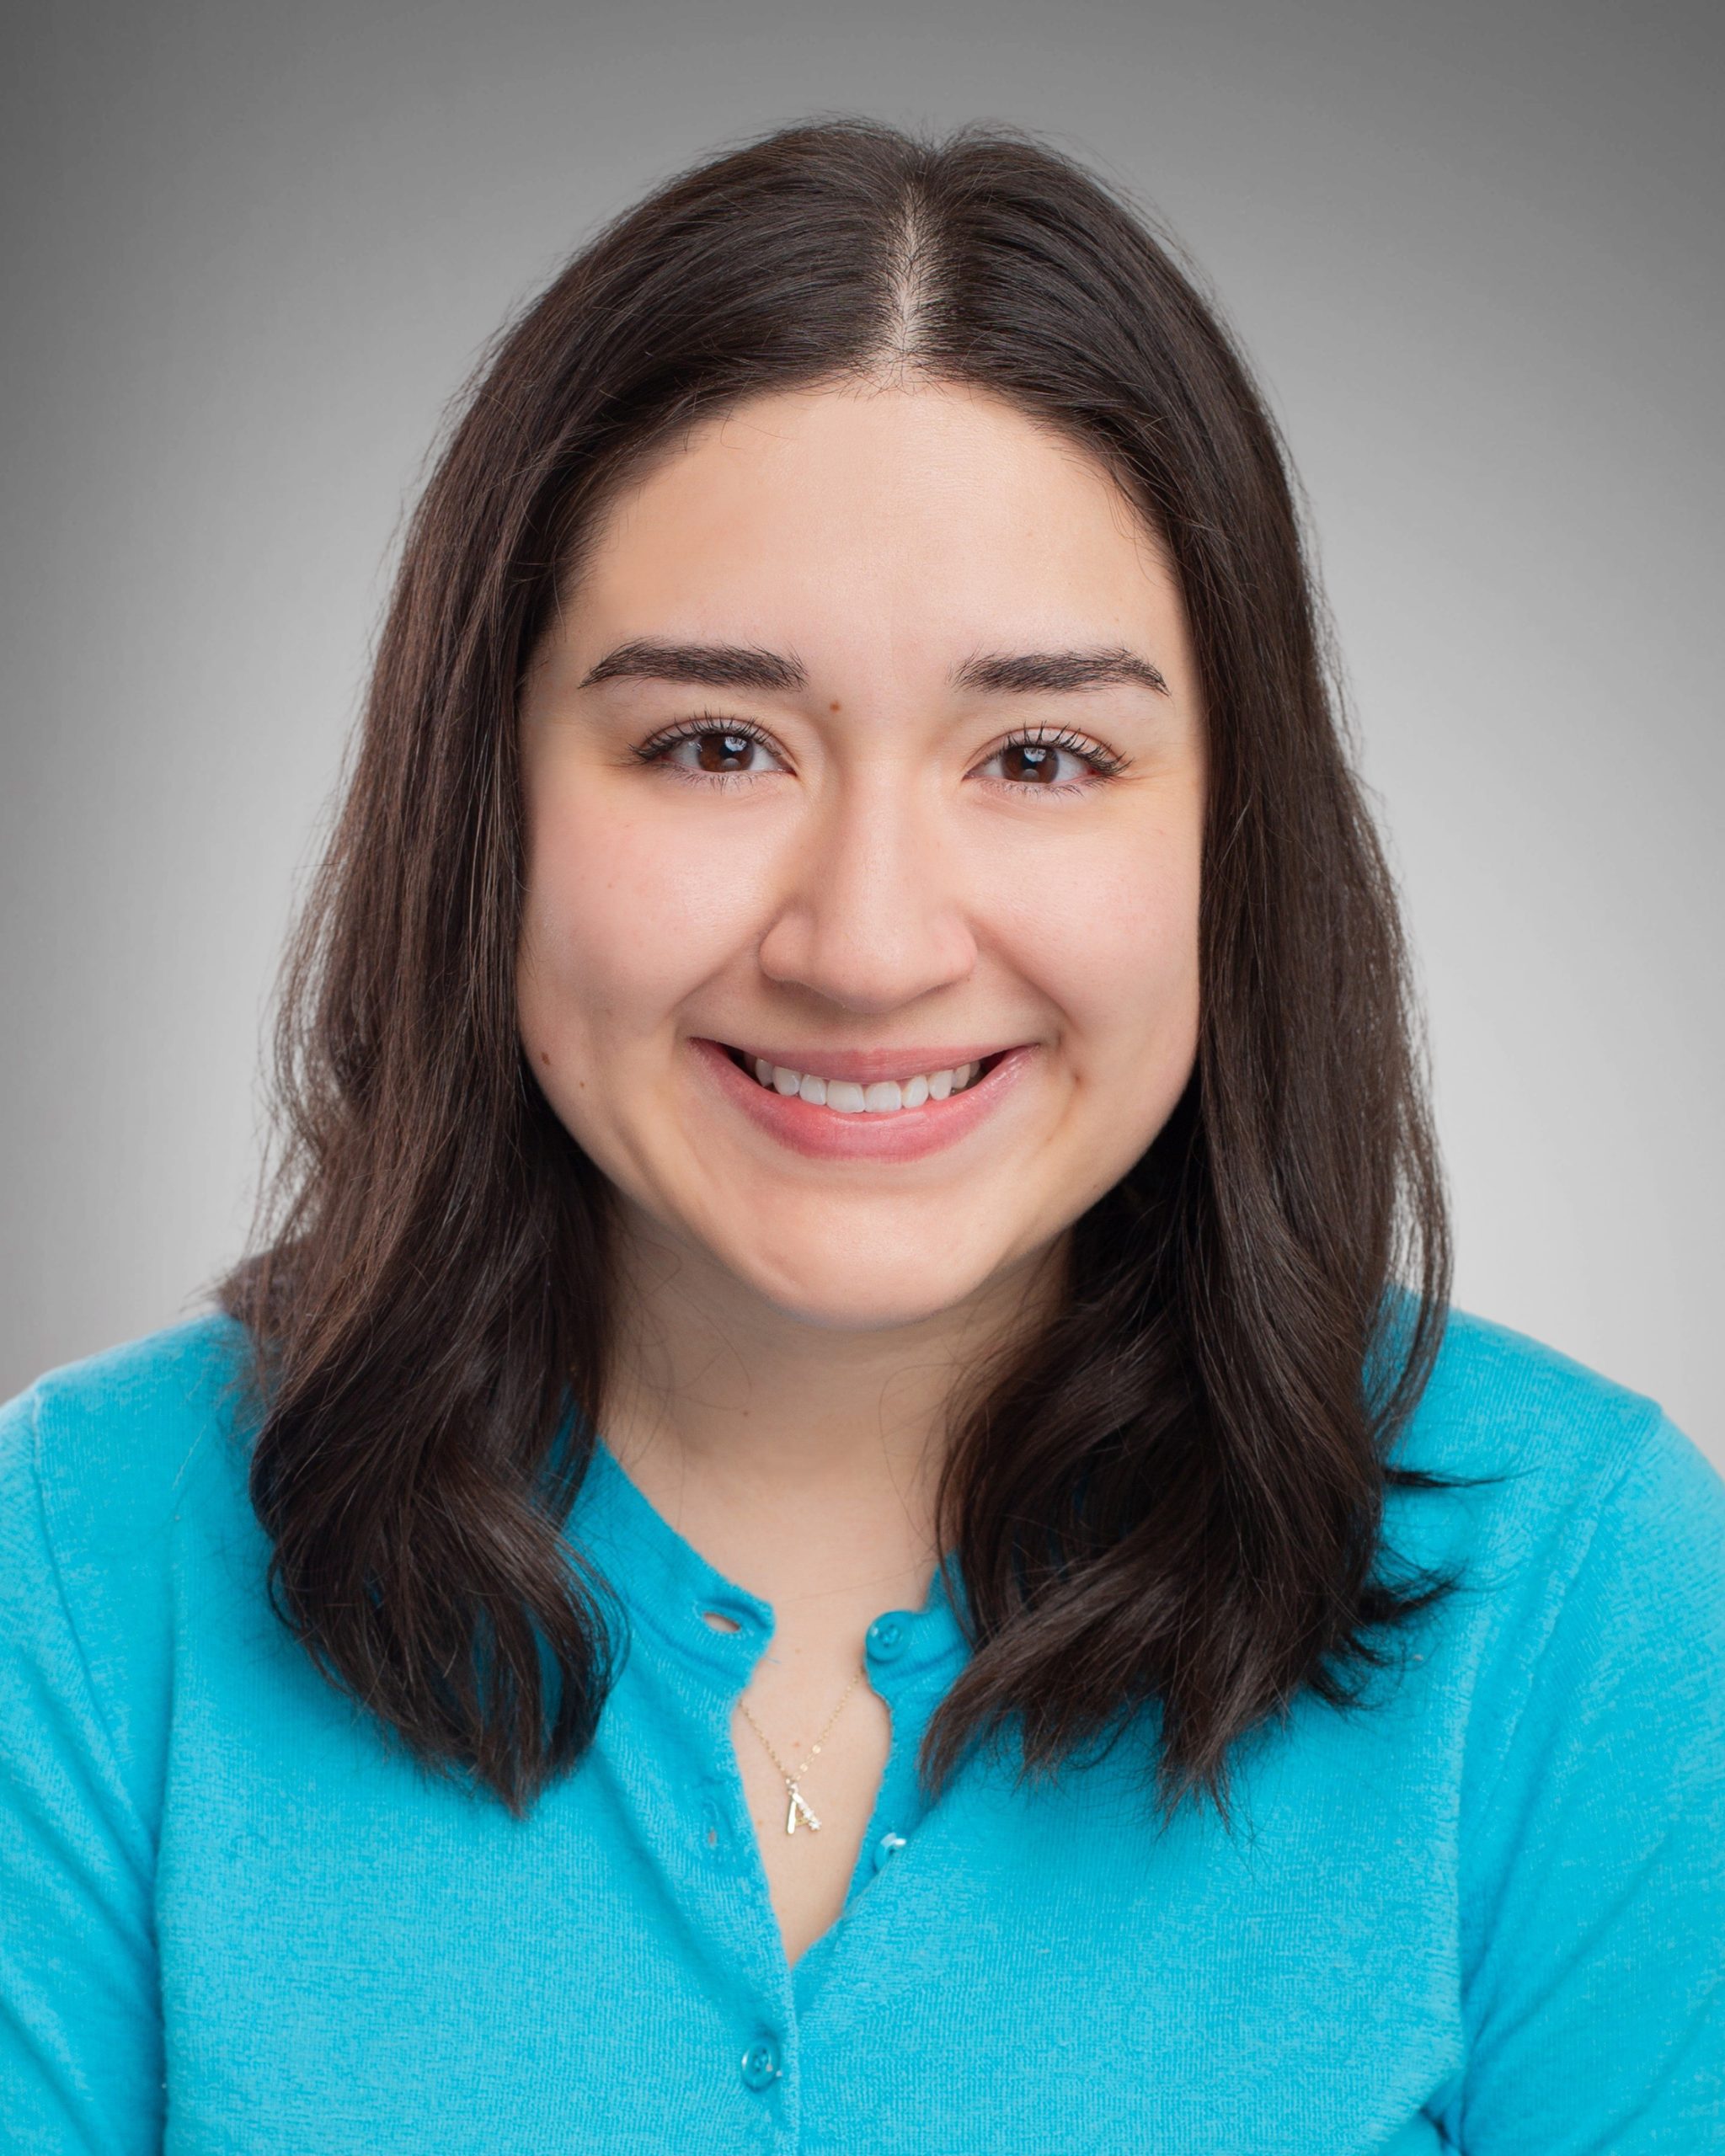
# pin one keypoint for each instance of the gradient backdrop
(251, 251)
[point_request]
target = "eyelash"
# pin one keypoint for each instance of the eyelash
(1103, 763)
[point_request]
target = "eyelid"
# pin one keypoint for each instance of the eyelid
(698, 723)
(1106, 764)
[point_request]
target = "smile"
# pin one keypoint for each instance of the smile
(881, 1106)
(850, 1096)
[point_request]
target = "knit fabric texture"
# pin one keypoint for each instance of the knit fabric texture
(1484, 1909)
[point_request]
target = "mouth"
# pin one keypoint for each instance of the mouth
(879, 1106)
(848, 1084)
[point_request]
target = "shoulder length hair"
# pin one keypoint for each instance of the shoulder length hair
(1171, 1499)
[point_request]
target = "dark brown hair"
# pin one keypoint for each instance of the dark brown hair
(1173, 1496)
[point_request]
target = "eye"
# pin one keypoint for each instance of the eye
(1050, 759)
(709, 747)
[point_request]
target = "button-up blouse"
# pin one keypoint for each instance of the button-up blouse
(1484, 1909)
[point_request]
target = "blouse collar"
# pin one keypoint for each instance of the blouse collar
(666, 1584)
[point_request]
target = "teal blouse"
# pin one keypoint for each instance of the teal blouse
(1485, 1910)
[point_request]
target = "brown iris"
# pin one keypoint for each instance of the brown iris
(723, 752)
(1036, 762)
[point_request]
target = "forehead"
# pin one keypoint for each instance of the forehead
(939, 508)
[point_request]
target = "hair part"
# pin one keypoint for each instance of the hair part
(1172, 1498)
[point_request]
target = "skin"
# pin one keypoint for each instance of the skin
(880, 871)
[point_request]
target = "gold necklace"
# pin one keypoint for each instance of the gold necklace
(798, 1807)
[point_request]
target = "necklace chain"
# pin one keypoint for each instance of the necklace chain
(798, 1808)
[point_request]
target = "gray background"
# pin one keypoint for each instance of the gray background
(251, 252)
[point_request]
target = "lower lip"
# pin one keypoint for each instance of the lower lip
(823, 1133)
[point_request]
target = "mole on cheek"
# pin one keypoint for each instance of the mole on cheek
(832, 706)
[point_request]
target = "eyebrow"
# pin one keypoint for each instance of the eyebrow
(713, 665)
(744, 666)
(1058, 671)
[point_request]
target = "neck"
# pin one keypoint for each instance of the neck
(784, 1448)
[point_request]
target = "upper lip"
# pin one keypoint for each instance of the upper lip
(870, 1065)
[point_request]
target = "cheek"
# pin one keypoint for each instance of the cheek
(623, 919)
(1112, 942)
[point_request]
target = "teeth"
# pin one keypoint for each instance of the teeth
(848, 1098)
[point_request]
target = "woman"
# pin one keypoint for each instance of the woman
(842, 1509)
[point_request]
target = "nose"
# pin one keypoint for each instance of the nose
(872, 913)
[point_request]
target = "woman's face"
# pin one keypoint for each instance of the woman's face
(867, 760)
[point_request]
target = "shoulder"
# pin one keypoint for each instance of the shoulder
(1579, 1509)
(113, 1471)
(1496, 1396)
(113, 1441)
(1551, 1445)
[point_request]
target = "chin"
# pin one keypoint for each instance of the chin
(849, 1292)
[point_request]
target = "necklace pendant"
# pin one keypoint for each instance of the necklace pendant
(796, 1806)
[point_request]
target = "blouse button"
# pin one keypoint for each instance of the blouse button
(714, 1837)
(886, 1638)
(761, 2064)
(887, 1845)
